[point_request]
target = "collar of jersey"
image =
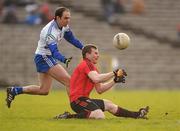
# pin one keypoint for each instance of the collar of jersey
(87, 60)
(57, 26)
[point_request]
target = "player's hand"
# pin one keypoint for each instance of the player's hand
(119, 72)
(67, 61)
(119, 75)
(119, 79)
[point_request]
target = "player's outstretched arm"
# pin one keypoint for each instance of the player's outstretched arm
(101, 88)
(98, 78)
(57, 55)
(72, 39)
(119, 77)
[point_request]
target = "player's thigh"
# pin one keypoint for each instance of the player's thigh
(84, 104)
(45, 80)
(89, 107)
(99, 103)
(59, 73)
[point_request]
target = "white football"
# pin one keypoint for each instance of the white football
(121, 41)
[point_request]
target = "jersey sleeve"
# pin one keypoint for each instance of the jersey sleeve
(55, 52)
(50, 38)
(51, 43)
(69, 36)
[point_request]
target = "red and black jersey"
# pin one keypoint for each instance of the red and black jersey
(81, 85)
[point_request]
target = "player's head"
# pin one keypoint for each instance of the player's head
(91, 53)
(62, 16)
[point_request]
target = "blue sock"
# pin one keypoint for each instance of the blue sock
(17, 90)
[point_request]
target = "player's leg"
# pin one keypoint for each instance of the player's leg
(84, 104)
(45, 81)
(96, 114)
(43, 64)
(85, 108)
(88, 106)
(45, 85)
(48, 65)
(121, 112)
(61, 75)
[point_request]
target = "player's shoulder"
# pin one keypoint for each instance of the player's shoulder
(82, 64)
(50, 30)
(48, 25)
(89, 64)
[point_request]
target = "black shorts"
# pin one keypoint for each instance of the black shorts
(85, 104)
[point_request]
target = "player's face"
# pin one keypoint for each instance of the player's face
(65, 19)
(94, 55)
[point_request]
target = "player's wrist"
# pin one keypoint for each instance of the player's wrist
(67, 61)
(119, 79)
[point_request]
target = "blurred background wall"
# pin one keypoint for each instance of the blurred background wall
(152, 60)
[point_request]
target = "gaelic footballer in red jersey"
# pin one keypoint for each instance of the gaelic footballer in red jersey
(86, 77)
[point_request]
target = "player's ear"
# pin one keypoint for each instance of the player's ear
(57, 17)
(87, 54)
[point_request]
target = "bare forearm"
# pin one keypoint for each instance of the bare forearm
(106, 86)
(106, 76)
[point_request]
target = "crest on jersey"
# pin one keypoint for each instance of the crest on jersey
(50, 37)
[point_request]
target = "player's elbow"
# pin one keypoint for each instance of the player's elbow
(98, 79)
(99, 90)
(95, 77)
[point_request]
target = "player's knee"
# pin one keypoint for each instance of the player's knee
(43, 92)
(97, 114)
(67, 82)
(109, 105)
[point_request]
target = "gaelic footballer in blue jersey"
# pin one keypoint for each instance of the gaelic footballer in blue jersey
(47, 55)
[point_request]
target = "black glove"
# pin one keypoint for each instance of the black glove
(117, 70)
(67, 61)
(119, 75)
(119, 79)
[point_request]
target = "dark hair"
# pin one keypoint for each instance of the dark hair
(87, 49)
(59, 11)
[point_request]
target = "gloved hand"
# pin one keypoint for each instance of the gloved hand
(119, 75)
(119, 72)
(67, 61)
(119, 79)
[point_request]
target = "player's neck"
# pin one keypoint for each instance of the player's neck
(86, 59)
(58, 25)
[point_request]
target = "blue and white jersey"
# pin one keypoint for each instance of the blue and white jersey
(47, 50)
(49, 34)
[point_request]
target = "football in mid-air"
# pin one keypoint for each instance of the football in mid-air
(121, 41)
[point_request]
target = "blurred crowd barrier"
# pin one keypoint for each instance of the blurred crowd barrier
(149, 63)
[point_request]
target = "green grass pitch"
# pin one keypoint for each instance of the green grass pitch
(34, 113)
